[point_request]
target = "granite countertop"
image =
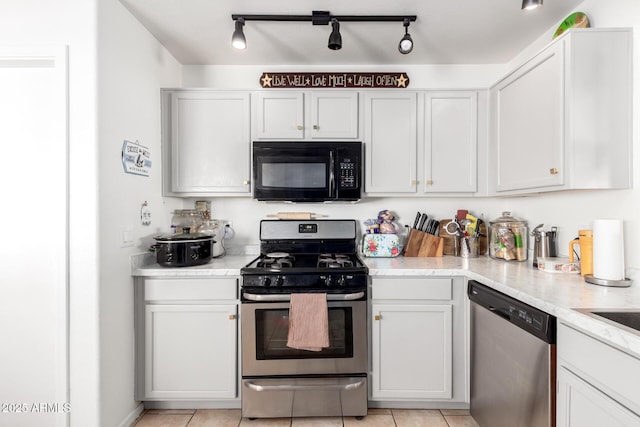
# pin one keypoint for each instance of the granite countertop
(555, 293)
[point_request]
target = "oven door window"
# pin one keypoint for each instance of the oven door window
(272, 328)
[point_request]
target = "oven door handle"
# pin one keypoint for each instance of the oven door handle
(286, 297)
(257, 386)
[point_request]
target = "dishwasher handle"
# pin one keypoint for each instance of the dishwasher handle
(500, 313)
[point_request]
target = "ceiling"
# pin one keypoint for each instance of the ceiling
(445, 32)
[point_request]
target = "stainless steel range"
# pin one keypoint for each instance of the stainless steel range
(317, 256)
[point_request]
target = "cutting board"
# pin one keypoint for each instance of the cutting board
(295, 215)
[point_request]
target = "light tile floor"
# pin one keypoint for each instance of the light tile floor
(375, 418)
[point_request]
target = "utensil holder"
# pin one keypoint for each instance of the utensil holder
(469, 247)
(421, 244)
(450, 246)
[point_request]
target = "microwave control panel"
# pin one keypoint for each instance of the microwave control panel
(348, 175)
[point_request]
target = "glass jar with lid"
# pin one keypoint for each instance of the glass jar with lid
(508, 238)
(186, 218)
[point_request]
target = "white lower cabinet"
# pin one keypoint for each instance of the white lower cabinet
(582, 405)
(597, 383)
(418, 340)
(187, 337)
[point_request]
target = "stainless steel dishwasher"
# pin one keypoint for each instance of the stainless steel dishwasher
(513, 361)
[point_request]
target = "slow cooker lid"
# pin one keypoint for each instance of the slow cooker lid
(184, 237)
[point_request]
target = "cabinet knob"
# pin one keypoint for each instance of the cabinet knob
(232, 317)
(553, 171)
(429, 182)
(376, 317)
(246, 182)
(316, 127)
(414, 182)
(299, 127)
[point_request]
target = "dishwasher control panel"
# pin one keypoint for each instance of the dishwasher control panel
(525, 316)
(535, 320)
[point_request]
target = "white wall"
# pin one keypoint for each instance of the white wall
(132, 68)
(566, 210)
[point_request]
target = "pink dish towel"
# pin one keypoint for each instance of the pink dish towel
(308, 322)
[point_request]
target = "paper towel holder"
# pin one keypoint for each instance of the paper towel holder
(624, 283)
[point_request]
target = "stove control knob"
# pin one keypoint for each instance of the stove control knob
(328, 281)
(278, 281)
(266, 281)
(342, 281)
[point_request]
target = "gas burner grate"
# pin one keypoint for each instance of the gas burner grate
(278, 262)
(334, 261)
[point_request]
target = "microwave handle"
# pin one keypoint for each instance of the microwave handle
(332, 175)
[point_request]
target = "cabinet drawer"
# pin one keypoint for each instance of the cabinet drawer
(612, 371)
(191, 289)
(413, 288)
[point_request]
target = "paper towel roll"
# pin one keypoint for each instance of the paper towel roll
(608, 249)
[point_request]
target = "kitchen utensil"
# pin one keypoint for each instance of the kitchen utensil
(417, 220)
(183, 249)
(508, 238)
(544, 243)
(423, 218)
(585, 242)
(295, 215)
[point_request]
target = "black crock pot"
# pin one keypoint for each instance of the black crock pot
(184, 249)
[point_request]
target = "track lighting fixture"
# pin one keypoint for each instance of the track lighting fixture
(325, 18)
(531, 4)
(238, 40)
(406, 42)
(335, 39)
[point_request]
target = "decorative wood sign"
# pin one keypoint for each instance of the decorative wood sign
(334, 80)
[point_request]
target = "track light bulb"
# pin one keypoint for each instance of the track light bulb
(335, 39)
(238, 40)
(406, 42)
(531, 4)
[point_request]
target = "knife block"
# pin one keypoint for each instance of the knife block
(421, 244)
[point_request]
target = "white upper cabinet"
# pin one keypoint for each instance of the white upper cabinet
(390, 137)
(291, 115)
(206, 139)
(450, 142)
(563, 119)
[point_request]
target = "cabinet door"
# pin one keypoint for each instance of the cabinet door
(210, 142)
(190, 351)
(451, 141)
(412, 351)
(390, 142)
(580, 404)
(279, 115)
(333, 115)
(528, 108)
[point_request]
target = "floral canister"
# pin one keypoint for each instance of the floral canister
(380, 245)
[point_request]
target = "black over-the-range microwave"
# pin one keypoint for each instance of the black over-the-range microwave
(307, 171)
